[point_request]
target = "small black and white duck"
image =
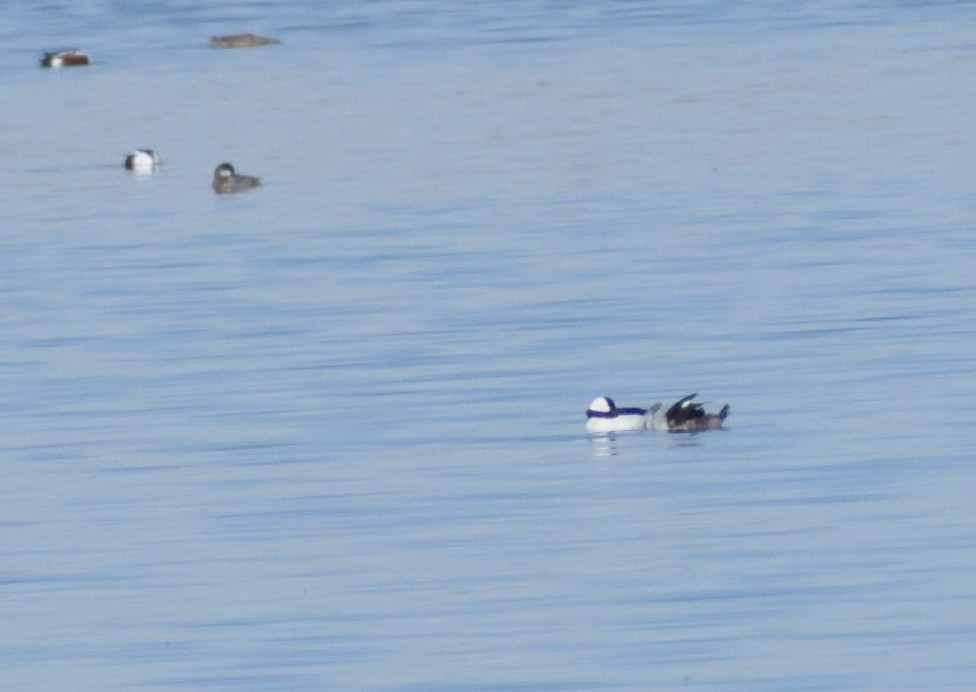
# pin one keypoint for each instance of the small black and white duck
(142, 161)
(604, 416)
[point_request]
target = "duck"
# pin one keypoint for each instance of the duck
(241, 41)
(603, 416)
(142, 161)
(225, 179)
(689, 416)
(65, 58)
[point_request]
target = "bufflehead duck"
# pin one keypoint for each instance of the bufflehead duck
(226, 180)
(603, 416)
(688, 416)
(241, 41)
(65, 58)
(142, 161)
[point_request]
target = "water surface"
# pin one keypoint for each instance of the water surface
(329, 433)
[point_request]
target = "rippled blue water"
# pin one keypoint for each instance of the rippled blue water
(328, 434)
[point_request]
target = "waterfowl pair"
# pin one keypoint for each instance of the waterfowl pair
(685, 415)
(225, 178)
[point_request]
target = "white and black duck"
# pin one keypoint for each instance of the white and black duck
(605, 416)
(142, 161)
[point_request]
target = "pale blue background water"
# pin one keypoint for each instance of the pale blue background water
(328, 434)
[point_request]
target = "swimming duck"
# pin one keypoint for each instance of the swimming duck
(65, 58)
(142, 161)
(241, 41)
(688, 416)
(226, 180)
(603, 416)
